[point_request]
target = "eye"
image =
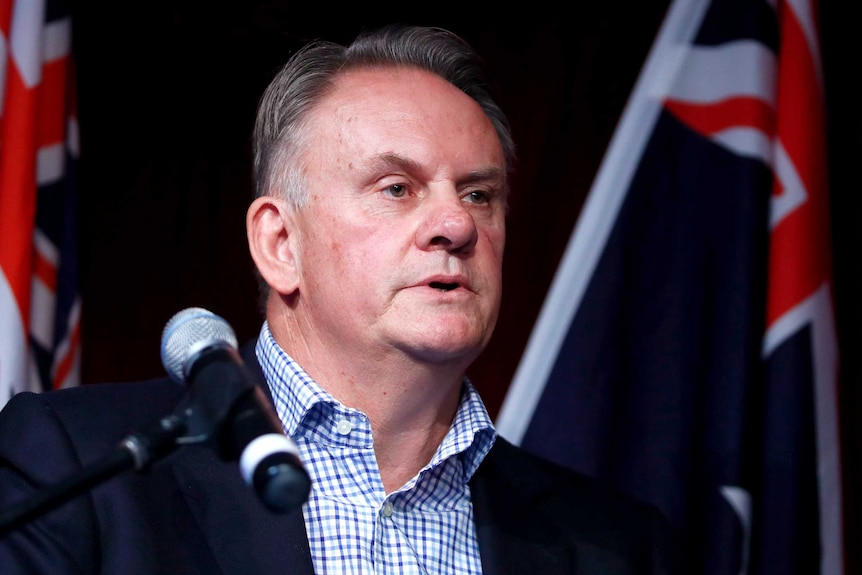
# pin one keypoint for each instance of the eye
(478, 197)
(396, 190)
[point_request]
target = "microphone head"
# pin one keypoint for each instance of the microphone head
(187, 334)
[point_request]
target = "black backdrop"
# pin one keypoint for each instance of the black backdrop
(167, 91)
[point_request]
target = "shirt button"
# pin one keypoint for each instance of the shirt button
(388, 509)
(343, 427)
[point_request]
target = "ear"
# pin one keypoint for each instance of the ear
(270, 242)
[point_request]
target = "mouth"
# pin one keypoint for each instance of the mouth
(444, 286)
(448, 283)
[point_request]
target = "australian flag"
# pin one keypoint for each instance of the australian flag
(40, 303)
(686, 351)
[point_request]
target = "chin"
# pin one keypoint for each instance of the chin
(453, 339)
(448, 359)
(450, 351)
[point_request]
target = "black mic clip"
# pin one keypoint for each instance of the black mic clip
(209, 404)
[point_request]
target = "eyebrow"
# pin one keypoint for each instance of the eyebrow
(388, 159)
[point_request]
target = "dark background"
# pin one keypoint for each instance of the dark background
(167, 91)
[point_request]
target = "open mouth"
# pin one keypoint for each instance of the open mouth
(443, 286)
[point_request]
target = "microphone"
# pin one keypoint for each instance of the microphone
(199, 348)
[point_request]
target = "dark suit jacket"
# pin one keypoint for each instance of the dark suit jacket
(191, 513)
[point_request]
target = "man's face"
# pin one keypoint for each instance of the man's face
(401, 245)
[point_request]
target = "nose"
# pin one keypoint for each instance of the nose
(447, 224)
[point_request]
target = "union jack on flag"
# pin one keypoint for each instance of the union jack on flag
(40, 305)
(686, 351)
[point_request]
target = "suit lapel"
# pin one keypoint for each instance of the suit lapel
(514, 536)
(243, 536)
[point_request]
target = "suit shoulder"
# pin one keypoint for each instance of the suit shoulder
(564, 489)
(104, 411)
(139, 395)
(596, 522)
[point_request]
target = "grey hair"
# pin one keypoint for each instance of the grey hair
(279, 136)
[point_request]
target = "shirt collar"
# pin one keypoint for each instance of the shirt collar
(302, 405)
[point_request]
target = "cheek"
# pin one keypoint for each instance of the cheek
(322, 257)
(349, 253)
(495, 237)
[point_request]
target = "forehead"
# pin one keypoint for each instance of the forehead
(403, 106)
(377, 82)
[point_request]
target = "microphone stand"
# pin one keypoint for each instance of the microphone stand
(138, 451)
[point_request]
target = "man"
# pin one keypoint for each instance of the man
(378, 234)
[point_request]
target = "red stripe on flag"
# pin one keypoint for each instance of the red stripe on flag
(801, 124)
(797, 265)
(799, 262)
(17, 187)
(708, 119)
(51, 125)
(45, 271)
(5, 18)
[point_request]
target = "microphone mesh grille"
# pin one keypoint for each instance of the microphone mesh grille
(187, 333)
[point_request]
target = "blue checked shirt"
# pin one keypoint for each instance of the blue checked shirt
(425, 527)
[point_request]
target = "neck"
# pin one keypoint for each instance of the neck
(410, 403)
